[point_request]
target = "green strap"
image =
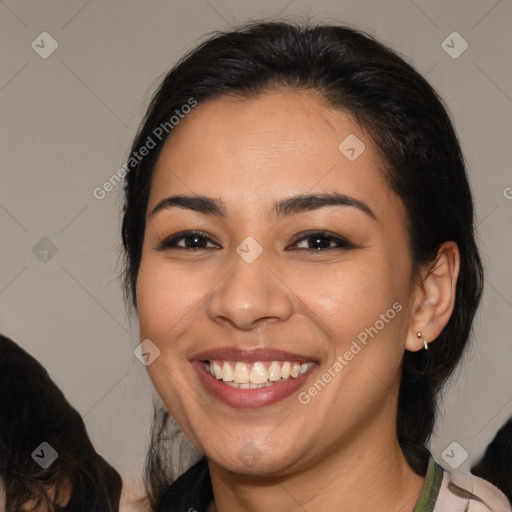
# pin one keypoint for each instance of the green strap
(431, 487)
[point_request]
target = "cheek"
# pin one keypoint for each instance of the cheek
(165, 296)
(362, 309)
(164, 306)
(151, 302)
(350, 298)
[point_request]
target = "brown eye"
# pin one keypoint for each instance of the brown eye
(319, 241)
(188, 240)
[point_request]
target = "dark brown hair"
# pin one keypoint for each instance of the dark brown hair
(33, 410)
(496, 464)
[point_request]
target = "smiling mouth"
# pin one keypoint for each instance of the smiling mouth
(255, 375)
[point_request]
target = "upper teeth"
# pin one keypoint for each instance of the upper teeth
(256, 373)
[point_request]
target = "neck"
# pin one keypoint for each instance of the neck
(366, 474)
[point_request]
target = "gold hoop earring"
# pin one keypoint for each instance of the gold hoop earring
(425, 343)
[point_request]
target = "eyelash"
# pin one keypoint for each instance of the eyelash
(171, 241)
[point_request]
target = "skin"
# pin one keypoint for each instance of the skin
(340, 451)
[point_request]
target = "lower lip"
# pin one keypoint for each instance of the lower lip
(249, 398)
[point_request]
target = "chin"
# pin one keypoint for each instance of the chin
(249, 459)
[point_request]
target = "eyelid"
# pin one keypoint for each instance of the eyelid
(165, 243)
(342, 241)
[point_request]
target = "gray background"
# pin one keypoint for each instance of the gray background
(67, 124)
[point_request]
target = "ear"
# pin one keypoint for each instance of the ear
(434, 297)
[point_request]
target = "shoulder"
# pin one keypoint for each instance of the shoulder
(465, 492)
(191, 491)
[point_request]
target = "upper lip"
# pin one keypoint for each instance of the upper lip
(248, 355)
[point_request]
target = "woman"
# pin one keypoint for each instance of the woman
(496, 463)
(298, 229)
(47, 461)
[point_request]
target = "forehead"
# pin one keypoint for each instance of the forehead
(276, 144)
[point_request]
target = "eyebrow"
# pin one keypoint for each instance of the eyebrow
(283, 208)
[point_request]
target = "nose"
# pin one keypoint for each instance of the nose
(250, 294)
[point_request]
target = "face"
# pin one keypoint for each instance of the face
(308, 300)
(38, 504)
